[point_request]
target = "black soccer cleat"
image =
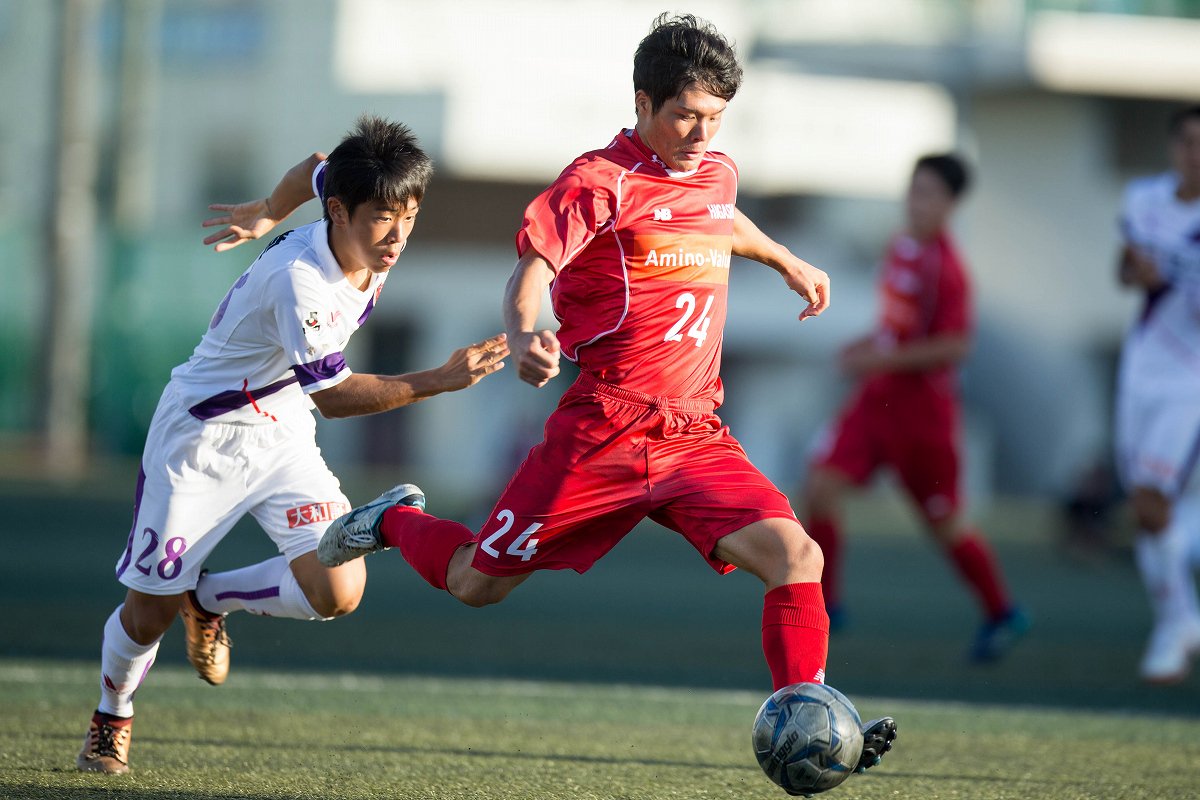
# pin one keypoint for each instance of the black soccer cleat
(878, 735)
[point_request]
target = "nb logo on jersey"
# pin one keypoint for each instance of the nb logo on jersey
(662, 214)
(720, 210)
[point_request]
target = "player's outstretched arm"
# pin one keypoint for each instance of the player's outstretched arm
(362, 394)
(536, 351)
(253, 219)
(866, 357)
(801, 277)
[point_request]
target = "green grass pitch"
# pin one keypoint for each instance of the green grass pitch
(269, 734)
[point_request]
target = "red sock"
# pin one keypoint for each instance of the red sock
(827, 533)
(978, 567)
(795, 631)
(426, 542)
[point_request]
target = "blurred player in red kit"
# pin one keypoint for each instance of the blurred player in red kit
(905, 412)
(634, 242)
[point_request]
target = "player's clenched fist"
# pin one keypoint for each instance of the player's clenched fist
(471, 364)
(537, 355)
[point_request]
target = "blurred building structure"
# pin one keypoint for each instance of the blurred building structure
(1056, 103)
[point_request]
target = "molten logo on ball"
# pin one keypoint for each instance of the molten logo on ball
(808, 738)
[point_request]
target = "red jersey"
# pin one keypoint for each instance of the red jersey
(924, 292)
(641, 256)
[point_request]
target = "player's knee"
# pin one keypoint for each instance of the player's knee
(344, 598)
(337, 606)
(804, 555)
(477, 590)
(793, 558)
(146, 617)
(478, 595)
(1151, 510)
(336, 599)
(798, 559)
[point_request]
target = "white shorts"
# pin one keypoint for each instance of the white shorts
(1158, 440)
(199, 478)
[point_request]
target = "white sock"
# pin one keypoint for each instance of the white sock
(1187, 511)
(1166, 571)
(123, 665)
(1186, 516)
(268, 589)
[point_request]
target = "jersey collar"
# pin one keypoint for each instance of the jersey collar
(329, 265)
(645, 150)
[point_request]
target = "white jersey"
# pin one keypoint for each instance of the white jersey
(278, 335)
(1158, 402)
(1162, 349)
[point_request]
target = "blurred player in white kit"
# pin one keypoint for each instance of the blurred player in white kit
(234, 431)
(1158, 395)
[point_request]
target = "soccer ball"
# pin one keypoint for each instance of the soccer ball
(808, 738)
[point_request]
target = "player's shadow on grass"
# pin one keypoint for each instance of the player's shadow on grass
(887, 772)
(434, 751)
(1047, 787)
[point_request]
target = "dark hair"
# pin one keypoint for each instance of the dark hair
(378, 161)
(680, 50)
(950, 168)
(1180, 118)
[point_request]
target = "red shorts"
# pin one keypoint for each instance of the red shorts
(916, 436)
(611, 458)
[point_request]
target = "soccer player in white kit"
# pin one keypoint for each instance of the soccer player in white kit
(1158, 395)
(234, 431)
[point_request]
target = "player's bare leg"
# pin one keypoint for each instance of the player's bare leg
(1161, 549)
(330, 591)
(131, 637)
(777, 551)
(474, 588)
(146, 617)
(795, 626)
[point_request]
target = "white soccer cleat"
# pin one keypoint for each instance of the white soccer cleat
(1168, 657)
(355, 534)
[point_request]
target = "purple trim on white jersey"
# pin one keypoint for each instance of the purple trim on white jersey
(1153, 297)
(260, 594)
(318, 182)
(137, 504)
(317, 371)
(367, 311)
(234, 399)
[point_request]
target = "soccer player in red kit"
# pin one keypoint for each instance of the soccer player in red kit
(634, 241)
(905, 412)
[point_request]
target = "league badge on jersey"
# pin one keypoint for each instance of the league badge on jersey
(312, 323)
